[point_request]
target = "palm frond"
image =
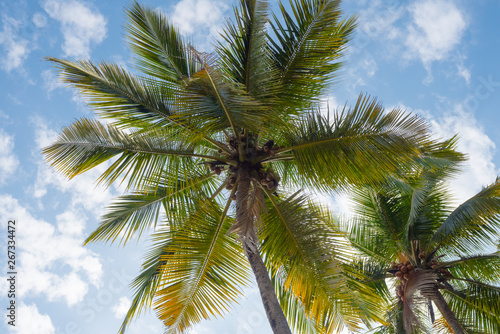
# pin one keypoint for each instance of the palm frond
(211, 105)
(130, 215)
(244, 53)
(88, 143)
(475, 224)
(483, 266)
(379, 228)
(115, 94)
(206, 270)
(295, 312)
(306, 49)
(159, 49)
(361, 146)
(146, 284)
(477, 306)
(299, 244)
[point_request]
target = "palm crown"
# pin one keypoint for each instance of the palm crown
(409, 231)
(194, 132)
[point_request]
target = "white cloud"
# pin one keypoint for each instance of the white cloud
(121, 309)
(81, 190)
(43, 135)
(426, 31)
(46, 247)
(202, 18)
(71, 222)
(80, 25)
(479, 170)
(9, 160)
(16, 48)
(463, 72)
(437, 27)
(32, 321)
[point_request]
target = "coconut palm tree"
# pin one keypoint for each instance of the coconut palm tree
(409, 235)
(210, 147)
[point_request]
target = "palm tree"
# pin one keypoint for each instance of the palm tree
(408, 234)
(194, 132)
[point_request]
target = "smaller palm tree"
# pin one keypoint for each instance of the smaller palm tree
(408, 235)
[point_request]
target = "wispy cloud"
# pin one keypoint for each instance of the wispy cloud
(81, 26)
(16, 48)
(9, 160)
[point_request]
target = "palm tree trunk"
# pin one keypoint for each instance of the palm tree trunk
(447, 313)
(274, 313)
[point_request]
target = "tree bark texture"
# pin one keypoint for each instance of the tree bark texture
(274, 313)
(447, 313)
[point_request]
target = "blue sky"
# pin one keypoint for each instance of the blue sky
(436, 58)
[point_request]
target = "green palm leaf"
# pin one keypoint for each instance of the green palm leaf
(312, 268)
(485, 266)
(211, 105)
(88, 143)
(206, 269)
(117, 95)
(307, 48)
(360, 146)
(147, 282)
(477, 306)
(245, 53)
(475, 224)
(159, 49)
(132, 214)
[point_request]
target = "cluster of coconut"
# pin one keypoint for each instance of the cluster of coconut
(266, 177)
(251, 147)
(402, 271)
(400, 290)
(217, 167)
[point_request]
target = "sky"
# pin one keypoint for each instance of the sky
(437, 58)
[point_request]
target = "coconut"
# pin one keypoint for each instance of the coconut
(404, 269)
(406, 276)
(399, 274)
(421, 256)
(410, 267)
